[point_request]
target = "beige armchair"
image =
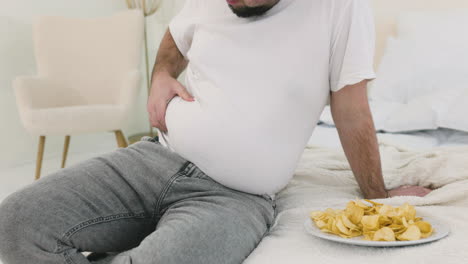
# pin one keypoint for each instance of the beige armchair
(88, 77)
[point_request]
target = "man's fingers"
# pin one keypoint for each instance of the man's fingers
(423, 192)
(410, 190)
(155, 122)
(162, 122)
(161, 127)
(160, 117)
(184, 94)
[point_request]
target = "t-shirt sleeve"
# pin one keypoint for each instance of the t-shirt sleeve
(182, 26)
(352, 45)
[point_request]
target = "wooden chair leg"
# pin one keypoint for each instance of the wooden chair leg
(117, 138)
(40, 155)
(66, 144)
(121, 141)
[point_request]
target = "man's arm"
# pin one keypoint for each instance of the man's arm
(353, 120)
(170, 63)
(169, 60)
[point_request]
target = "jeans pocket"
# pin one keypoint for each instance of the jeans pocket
(203, 176)
(272, 203)
(269, 199)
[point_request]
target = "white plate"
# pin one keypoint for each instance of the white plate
(440, 231)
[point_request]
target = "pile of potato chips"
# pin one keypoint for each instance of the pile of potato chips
(376, 222)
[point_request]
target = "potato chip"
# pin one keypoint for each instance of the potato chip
(377, 221)
(411, 233)
(343, 229)
(370, 222)
(425, 228)
(372, 202)
(384, 220)
(407, 211)
(348, 223)
(384, 234)
(387, 210)
(354, 212)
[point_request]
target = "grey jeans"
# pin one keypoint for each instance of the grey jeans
(143, 204)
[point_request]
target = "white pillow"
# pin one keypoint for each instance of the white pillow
(426, 71)
(389, 117)
(422, 82)
(420, 85)
(430, 53)
(412, 68)
(454, 114)
(440, 109)
(422, 113)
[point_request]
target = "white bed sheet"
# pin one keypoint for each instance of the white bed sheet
(285, 244)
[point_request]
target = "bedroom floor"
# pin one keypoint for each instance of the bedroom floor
(13, 178)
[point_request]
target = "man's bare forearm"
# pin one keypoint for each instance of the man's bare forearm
(359, 141)
(169, 59)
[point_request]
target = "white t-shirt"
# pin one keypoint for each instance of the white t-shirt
(261, 83)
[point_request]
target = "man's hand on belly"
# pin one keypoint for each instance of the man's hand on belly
(164, 85)
(163, 89)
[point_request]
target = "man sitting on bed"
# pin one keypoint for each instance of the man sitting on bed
(258, 74)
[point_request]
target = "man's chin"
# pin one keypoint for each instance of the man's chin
(245, 11)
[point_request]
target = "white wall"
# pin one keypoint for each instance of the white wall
(17, 58)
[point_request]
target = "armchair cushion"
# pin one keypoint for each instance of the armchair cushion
(46, 107)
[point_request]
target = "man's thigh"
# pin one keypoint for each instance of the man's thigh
(102, 204)
(210, 225)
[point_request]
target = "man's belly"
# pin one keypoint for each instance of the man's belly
(247, 153)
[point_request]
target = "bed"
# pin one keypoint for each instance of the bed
(438, 158)
(423, 140)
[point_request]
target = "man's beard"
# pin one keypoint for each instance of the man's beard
(247, 11)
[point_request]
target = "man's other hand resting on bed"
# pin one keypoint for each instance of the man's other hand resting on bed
(409, 190)
(353, 120)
